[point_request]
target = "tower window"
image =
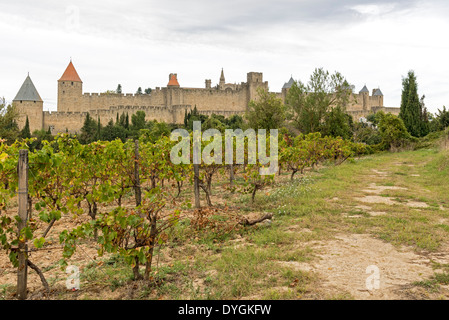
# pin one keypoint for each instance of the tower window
(63, 92)
(72, 83)
(63, 82)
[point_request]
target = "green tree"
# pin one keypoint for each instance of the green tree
(392, 130)
(192, 116)
(41, 136)
(308, 104)
(113, 131)
(124, 120)
(440, 120)
(411, 110)
(98, 136)
(137, 123)
(9, 130)
(156, 130)
(89, 131)
(139, 90)
(119, 89)
(266, 112)
(235, 122)
(214, 122)
(367, 134)
(186, 119)
(425, 121)
(148, 90)
(337, 123)
(26, 133)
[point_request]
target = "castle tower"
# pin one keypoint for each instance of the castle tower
(365, 97)
(379, 97)
(286, 87)
(29, 103)
(173, 91)
(173, 81)
(70, 90)
(222, 80)
(255, 81)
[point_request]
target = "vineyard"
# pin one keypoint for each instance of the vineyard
(129, 198)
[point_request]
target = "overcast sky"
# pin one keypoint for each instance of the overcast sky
(138, 43)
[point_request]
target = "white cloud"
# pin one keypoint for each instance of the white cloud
(373, 9)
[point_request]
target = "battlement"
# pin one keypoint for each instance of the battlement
(64, 113)
(170, 103)
(256, 77)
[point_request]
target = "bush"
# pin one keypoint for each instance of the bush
(393, 132)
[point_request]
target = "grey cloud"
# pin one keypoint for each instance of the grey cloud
(200, 16)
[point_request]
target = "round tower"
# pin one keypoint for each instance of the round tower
(29, 104)
(173, 92)
(287, 87)
(379, 97)
(365, 97)
(70, 90)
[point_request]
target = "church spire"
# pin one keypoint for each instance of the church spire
(222, 79)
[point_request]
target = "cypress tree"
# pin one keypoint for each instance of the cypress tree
(26, 133)
(98, 129)
(404, 97)
(411, 108)
(425, 123)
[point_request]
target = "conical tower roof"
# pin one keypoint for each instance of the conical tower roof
(288, 84)
(364, 89)
(173, 81)
(70, 74)
(28, 91)
(378, 93)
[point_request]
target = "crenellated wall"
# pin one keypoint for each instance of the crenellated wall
(72, 122)
(167, 104)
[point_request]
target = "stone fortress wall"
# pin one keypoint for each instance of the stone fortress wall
(167, 104)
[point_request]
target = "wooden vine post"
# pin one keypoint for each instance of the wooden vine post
(196, 184)
(137, 189)
(23, 215)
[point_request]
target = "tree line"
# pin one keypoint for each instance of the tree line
(318, 105)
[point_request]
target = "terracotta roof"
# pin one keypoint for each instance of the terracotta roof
(70, 74)
(28, 92)
(173, 81)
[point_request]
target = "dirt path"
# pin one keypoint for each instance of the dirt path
(349, 262)
(348, 265)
